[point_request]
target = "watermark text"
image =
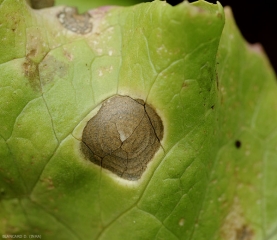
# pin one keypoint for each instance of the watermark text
(21, 236)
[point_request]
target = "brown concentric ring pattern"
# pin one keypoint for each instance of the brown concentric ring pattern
(123, 136)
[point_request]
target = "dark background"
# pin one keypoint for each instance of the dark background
(257, 21)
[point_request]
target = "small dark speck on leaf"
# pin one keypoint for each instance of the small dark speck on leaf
(219, 15)
(185, 85)
(244, 233)
(238, 144)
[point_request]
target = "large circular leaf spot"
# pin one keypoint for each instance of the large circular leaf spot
(123, 136)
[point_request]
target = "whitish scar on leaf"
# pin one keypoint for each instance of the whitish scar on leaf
(123, 136)
(74, 22)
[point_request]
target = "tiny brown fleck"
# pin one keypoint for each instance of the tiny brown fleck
(185, 85)
(244, 233)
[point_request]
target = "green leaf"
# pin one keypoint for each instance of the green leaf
(213, 176)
